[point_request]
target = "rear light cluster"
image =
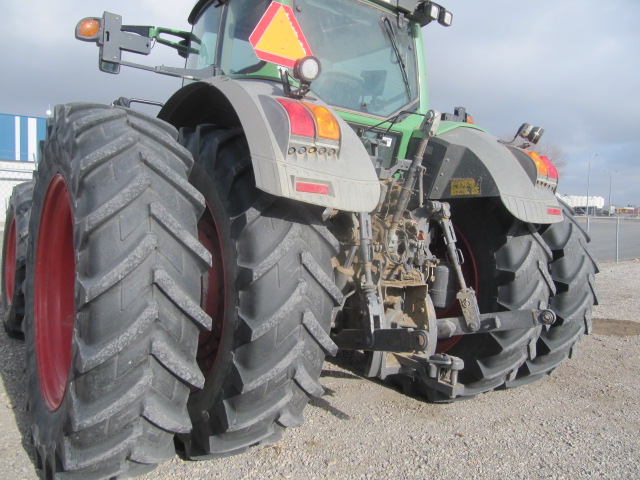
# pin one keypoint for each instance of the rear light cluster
(311, 121)
(547, 172)
(314, 134)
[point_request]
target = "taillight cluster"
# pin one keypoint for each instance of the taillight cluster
(547, 172)
(314, 136)
(314, 122)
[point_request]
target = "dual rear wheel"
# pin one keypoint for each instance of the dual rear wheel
(159, 308)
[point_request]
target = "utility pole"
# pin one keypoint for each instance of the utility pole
(609, 192)
(610, 177)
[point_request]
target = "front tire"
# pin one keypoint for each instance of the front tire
(111, 323)
(270, 293)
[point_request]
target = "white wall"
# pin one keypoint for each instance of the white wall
(11, 174)
(580, 201)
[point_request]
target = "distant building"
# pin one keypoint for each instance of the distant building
(633, 211)
(579, 203)
(20, 136)
(19, 152)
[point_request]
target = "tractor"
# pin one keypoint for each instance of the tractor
(180, 279)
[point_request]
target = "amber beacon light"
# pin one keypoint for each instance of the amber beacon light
(89, 29)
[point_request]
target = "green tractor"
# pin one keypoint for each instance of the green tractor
(186, 275)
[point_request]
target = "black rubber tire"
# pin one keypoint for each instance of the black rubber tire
(137, 321)
(511, 263)
(17, 213)
(573, 270)
(278, 298)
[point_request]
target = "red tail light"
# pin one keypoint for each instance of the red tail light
(302, 123)
(552, 170)
(545, 167)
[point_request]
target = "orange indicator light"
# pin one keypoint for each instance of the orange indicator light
(88, 29)
(542, 167)
(328, 127)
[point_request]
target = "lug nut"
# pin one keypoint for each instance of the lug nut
(547, 317)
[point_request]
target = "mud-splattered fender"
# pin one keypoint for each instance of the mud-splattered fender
(467, 162)
(281, 161)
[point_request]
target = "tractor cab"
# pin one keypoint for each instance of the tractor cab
(368, 53)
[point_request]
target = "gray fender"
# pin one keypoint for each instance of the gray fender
(469, 163)
(349, 172)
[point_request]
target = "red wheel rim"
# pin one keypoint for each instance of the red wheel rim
(54, 307)
(10, 262)
(213, 294)
(470, 273)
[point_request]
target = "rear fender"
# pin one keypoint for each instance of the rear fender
(467, 162)
(349, 173)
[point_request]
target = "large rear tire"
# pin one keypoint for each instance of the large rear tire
(573, 271)
(509, 272)
(270, 293)
(14, 254)
(112, 320)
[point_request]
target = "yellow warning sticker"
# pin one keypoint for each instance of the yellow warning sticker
(464, 187)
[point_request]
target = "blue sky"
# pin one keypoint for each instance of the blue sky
(572, 67)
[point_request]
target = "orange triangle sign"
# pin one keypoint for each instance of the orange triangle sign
(278, 37)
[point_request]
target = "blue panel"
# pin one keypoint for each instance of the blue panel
(24, 139)
(7, 137)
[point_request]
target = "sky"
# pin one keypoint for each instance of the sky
(570, 66)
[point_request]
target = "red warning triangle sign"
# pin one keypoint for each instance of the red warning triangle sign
(278, 37)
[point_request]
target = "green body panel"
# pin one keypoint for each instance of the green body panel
(409, 127)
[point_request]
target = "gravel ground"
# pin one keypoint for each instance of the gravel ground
(581, 422)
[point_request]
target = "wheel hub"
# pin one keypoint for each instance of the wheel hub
(54, 305)
(213, 294)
